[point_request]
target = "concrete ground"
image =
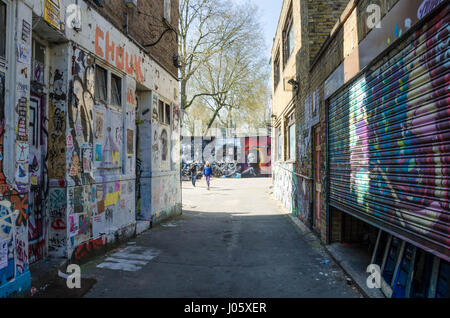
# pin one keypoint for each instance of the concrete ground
(232, 241)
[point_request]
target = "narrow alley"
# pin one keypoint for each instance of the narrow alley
(231, 241)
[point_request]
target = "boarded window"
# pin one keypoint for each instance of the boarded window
(100, 84)
(116, 90)
(2, 29)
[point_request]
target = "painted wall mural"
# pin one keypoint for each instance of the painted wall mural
(389, 147)
(80, 136)
(240, 157)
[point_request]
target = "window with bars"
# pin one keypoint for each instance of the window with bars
(116, 90)
(101, 87)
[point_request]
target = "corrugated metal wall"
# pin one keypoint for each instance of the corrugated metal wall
(389, 140)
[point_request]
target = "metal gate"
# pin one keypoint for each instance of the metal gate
(389, 140)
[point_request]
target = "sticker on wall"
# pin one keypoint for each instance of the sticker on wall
(98, 152)
(130, 142)
(26, 30)
(83, 227)
(73, 225)
(34, 180)
(22, 152)
(52, 13)
(69, 141)
(99, 125)
(87, 157)
(23, 53)
(21, 173)
(22, 111)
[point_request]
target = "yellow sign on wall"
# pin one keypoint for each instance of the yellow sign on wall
(52, 13)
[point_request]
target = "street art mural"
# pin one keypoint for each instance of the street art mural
(389, 147)
(240, 157)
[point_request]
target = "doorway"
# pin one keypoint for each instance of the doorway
(317, 179)
(37, 180)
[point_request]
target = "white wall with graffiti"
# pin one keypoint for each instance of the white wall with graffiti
(15, 63)
(283, 184)
(70, 125)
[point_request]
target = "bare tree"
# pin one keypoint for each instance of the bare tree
(206, 28)
(231, 85)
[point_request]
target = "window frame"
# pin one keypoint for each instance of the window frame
(167, 116)
(276, 69)
(34, 44)
(119, 90)
(288, 28)
(290, 121)
(96, 97)
(161, 111)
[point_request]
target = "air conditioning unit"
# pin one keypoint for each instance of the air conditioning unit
(131, 3)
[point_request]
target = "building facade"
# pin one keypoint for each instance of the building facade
(302, 27)
(90, 133)
(375, 93)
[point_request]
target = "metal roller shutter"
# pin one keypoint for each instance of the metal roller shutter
(389, 140)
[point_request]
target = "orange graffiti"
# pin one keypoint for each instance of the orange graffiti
(109, 48)
(98, 34)
(105, 48)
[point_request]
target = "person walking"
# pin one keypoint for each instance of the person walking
(194, 172)
(207, 173)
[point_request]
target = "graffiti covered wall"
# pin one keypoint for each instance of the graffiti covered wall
(14, 166)
(389, 144)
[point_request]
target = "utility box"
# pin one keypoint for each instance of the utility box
(131, 3)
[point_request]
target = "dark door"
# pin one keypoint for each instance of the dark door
(37, 162)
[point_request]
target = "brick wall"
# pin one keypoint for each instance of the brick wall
(317, 21)
(322, 16)
(146, 27)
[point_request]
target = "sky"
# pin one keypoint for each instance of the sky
(269, 11)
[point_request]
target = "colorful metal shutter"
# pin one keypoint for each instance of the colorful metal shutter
(389, 140)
